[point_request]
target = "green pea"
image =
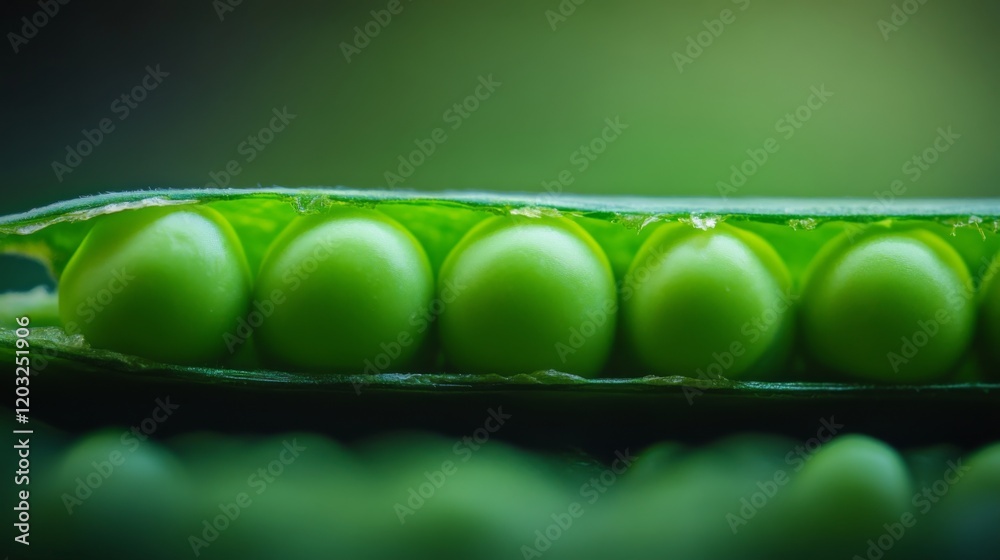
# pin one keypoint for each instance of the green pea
(345, 291)
(117, 495)
(714, 301)
(529, 294)
(891, 307)
(847, 490)
(161, 283)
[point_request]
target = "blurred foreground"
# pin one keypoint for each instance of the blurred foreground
(117, 494)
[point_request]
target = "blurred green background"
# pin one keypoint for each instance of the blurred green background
(562, 69)
(694, 87)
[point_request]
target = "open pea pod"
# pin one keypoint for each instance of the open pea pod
(664, 309)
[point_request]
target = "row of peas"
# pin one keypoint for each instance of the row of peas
(352, 290)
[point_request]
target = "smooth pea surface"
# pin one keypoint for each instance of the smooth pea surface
(713, 301)
(889, 306)
(346, 291)
(529, 294)
(161, 283)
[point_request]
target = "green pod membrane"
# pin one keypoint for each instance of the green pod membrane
(358, 288)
